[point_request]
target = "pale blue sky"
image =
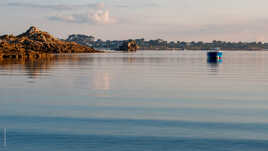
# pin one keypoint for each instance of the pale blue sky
(230, 20)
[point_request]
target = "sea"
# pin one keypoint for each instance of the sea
(144, 101)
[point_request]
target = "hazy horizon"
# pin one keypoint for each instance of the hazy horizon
(184, 20)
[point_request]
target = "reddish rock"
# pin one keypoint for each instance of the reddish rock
(35, 42)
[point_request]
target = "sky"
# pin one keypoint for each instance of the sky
(173, 20)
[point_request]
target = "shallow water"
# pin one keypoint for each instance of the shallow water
(149, 100)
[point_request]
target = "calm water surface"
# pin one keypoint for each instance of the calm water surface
(144, 101)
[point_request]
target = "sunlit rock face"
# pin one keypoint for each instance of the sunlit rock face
(35, 41)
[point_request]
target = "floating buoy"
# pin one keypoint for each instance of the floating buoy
(215, 55)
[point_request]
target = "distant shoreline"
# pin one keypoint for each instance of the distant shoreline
(160, 44)
(103, 49)
(200, 50)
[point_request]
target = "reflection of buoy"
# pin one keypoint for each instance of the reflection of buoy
(4, 137)
(214, 61)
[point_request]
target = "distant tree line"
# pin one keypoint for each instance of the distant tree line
(160, 44)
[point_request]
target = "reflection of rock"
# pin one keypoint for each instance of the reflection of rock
(32, 67)
(129, 46)
(37, 67)
(33, 43)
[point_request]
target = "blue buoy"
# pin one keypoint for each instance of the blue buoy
(215, 55)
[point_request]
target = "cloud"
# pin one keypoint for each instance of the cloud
(98, 15)
(94, 13)
(249, 30)
(136, 5)
(151, 5)
(55, 7)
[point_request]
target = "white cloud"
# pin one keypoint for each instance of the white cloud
(97, 15)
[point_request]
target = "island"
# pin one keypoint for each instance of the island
(35, 43)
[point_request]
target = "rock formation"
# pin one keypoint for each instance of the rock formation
(130, 46)
(36, 43)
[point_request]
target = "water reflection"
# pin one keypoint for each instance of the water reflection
(34, 68)
(102, 81)
(31, 68)
(130, 59)
(213, 64)
(153, 85)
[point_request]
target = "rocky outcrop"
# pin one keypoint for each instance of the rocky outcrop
(35, 42)
(129, 46)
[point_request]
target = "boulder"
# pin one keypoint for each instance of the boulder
(129, 46)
